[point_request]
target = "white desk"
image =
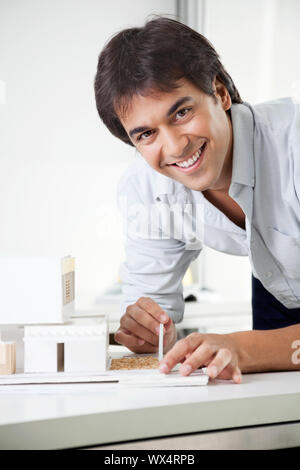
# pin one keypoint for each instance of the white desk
(80, 415)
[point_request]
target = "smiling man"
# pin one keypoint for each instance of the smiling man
(163, 90)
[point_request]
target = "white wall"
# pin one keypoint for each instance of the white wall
(258, 41)
(59, 166)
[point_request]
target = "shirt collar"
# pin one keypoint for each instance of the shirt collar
(243, 144)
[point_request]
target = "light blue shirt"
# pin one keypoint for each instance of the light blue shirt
(266, 185)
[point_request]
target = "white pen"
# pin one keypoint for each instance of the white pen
(160, 342)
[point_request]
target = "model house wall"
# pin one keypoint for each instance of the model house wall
(36, 290)
(66, 348)
(7, 357)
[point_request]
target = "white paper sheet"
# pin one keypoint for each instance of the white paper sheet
(56, 377)
(134, 377)
(156, 379)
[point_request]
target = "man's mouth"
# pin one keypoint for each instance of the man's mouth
(192, 162)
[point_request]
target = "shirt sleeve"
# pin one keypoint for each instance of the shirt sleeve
(154, 267)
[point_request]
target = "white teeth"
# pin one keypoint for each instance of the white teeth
(191, 160)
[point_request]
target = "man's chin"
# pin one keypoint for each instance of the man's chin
(198, 185)
(196, 182)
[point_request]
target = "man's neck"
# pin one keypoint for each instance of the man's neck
(227, 205)
(223, 184)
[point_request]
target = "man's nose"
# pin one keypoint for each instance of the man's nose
(174, 144)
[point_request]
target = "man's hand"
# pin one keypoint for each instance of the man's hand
(216, 352)
(139, 327)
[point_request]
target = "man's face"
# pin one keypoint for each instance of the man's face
(184, 134)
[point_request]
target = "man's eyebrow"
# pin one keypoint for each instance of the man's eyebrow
(137, 130)
(178, 103)
(172, 109)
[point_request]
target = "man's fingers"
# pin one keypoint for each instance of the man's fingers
(126, 338)
(139, 326)
(142, 317)
(153, 308)
(222, 367)
(179, 351)
(137, 329)
(237, 375)
(199, 358)
(133, 343)
(219, 363)
(168, 325)
(231, 372)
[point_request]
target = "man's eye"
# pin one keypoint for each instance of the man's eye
(183, 112)
(144, 135)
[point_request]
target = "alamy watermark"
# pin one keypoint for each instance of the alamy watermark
(296, 354)
(163, 221)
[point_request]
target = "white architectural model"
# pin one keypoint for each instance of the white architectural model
(7, 357)
(66, 348)
(39, 294)
(36, 290)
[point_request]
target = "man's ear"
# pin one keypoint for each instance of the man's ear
(222, 94)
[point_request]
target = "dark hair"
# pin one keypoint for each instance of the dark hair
(154, 57)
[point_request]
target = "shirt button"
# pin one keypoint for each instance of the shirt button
(268, 274)
(209, 213)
